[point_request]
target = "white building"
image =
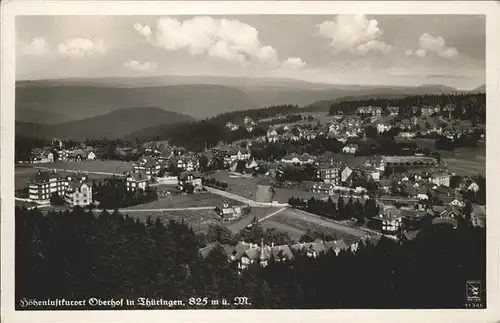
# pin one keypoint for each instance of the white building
(79, 191)
(136, 181)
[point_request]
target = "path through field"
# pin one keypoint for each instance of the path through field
(270, 215)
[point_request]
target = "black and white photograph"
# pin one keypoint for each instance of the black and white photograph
(187, 161)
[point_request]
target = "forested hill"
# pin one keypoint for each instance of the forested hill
(467, 105)
(116, 124)
(76, 255)
(200, 134)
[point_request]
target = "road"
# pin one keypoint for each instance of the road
(78, 171)
(194, 208)
(244, 200)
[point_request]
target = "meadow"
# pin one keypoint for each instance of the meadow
(296, 223)
(186, 201)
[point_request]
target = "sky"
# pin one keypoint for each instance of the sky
(339, 49)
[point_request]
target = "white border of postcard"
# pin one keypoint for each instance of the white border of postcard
(13, 8)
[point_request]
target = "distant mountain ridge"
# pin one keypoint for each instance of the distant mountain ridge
(387, 93)
(197, 96)
(116, 124)
(78, 101)
(481, 89)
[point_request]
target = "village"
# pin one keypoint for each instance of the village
(342, 192)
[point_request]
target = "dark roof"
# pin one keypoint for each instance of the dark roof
(195, 174)
(206, 250)
(389, 212)
(441, 220)
(412, 213)
(148, 161)
(139, 177)
(43, 176)
(438, 208)
(269, 252)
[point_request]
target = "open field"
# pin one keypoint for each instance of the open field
(283, 194)
(104, 166)
(184, 201)
(294, 232)
(242, 186)
(467, 167)
(199, 220)
(296, 223)
(463, 161)
(468, 161)
(23, 174)
(247, 187)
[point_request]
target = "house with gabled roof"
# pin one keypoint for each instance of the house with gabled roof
(445, 221)
(150, 166)
(457, 203)
(323, 188)
(350, 149)
(441, 179)
(473, 187)
(192, 178)
(393, 111)
(297, 159)
(336, 246)
(411, 218)
(246, 254)
(227, 211)
(136, 181)
(43, 184)
(389, 219)
(79, 190)
(310, 249)
(329, 173)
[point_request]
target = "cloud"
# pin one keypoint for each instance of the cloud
(294, 63)
(420, 52)
(436, 45)
(80, 47)
(141, 66)
(37, 46)
(144, 30)
(353, 33)
(375, 45)
(450, 52)
(225, 39)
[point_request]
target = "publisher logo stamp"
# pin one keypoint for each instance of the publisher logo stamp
(473, 291)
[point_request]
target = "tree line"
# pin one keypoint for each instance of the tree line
(340, 210)
(77, 255)
(112, 193)
(210, 181)
(468, 106)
